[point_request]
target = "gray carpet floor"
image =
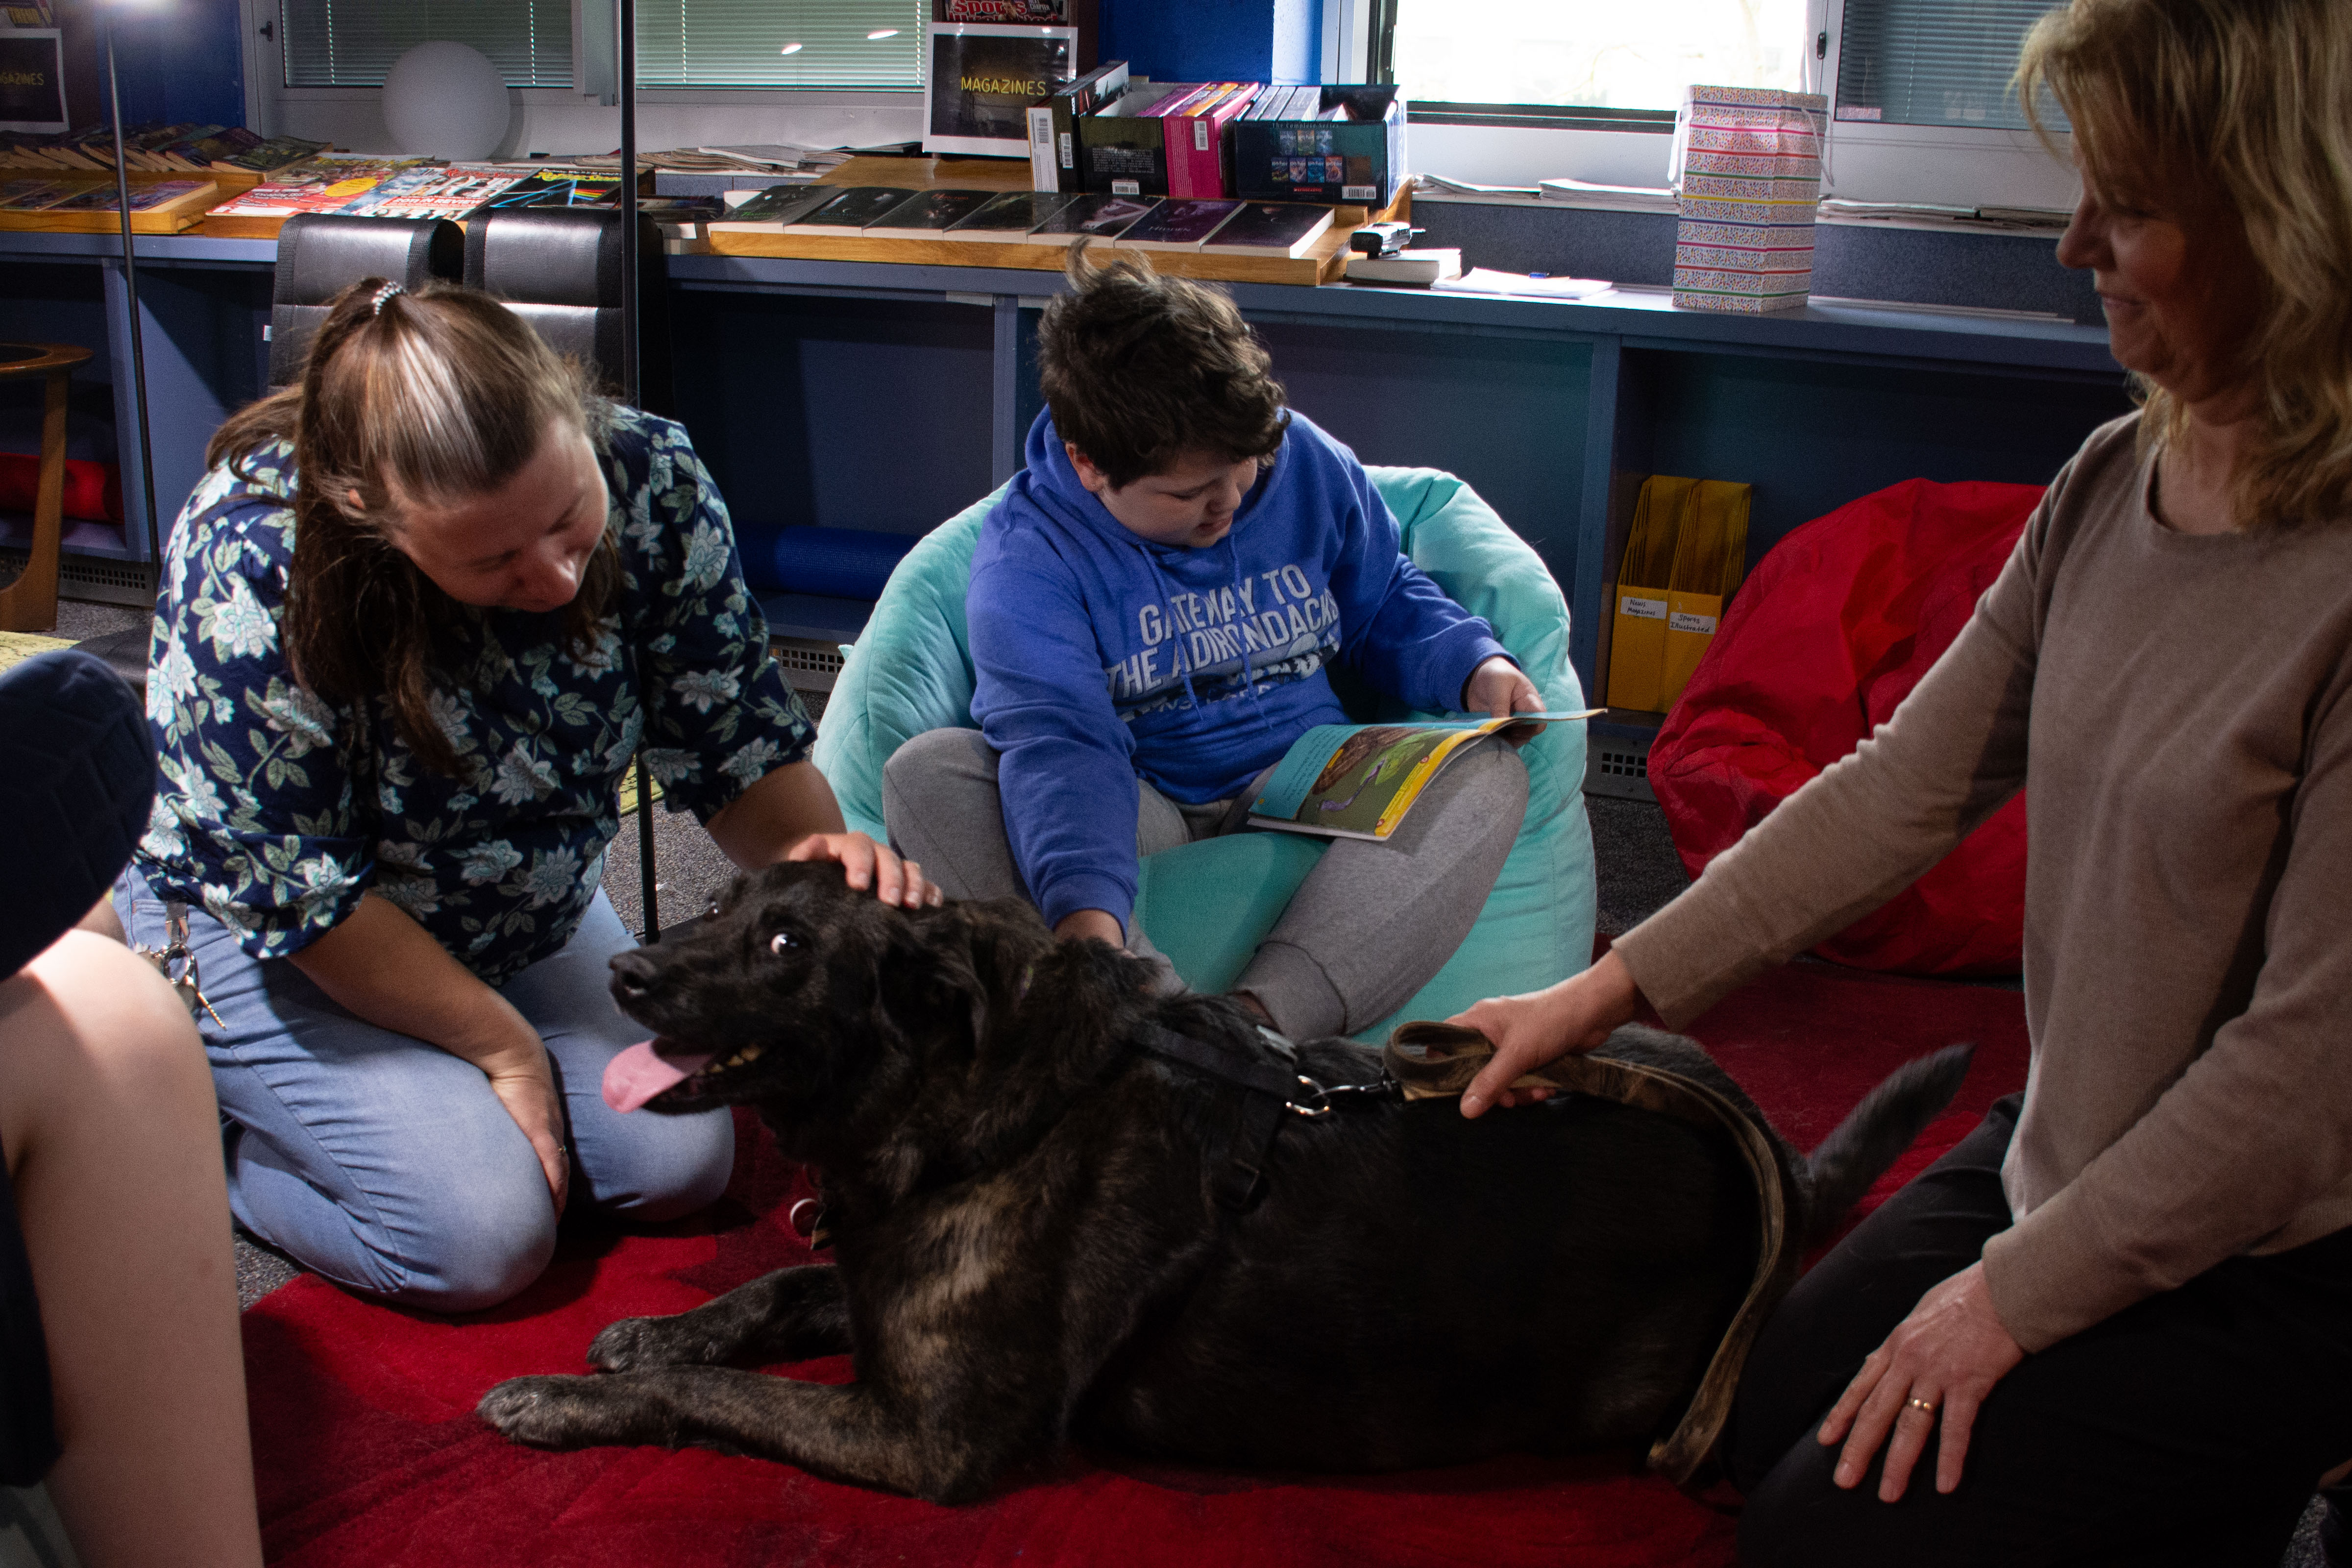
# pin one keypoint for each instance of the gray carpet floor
(1638, 871)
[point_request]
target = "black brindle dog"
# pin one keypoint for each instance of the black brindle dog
(1029, 1248)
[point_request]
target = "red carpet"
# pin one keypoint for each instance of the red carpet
(368, 1452)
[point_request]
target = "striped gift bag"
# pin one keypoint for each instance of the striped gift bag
(1747, 165)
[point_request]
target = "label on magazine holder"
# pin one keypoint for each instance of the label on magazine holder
(1640, 609)
(1679, 622)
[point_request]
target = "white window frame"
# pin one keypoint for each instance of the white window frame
(579, 117)
(1971, 167)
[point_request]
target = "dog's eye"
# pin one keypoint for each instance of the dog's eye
(782, 939)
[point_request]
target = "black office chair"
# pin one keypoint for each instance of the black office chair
(321, 254)
(560, 269)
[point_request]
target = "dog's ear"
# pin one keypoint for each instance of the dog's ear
(931, 982)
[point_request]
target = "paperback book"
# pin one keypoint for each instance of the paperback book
(1357, 780)
(1271, 228)
(773, 207)
(1177, 225)
(1054, 125)
(33, 196)
(930, 215)
(852, 210)
(1103, 217)
(1012, 216)
(1199, 158)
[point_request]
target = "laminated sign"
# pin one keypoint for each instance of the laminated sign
(1746, 166)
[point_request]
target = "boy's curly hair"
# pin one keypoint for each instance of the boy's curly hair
(1141, 370)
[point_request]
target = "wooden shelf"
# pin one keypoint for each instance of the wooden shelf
(1325, 262)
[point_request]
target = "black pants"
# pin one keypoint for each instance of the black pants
(2187, 1429)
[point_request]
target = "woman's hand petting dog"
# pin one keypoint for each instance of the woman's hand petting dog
(870, 865)
(1540, 1027)
(1946, 1356)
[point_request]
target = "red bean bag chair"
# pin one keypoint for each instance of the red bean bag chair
(1830, 632)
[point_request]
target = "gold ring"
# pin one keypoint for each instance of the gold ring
(1918, 1403)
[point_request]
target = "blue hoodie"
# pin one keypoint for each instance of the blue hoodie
(1100, 657)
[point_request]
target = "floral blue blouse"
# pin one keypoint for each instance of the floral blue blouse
(277, 810)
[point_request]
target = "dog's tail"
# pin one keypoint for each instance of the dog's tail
(1889, 1117)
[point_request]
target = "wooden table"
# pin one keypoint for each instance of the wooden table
(30, 603)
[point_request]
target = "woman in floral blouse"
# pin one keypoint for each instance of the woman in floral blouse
(413, 625)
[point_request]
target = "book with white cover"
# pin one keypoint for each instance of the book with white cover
(1418, 269)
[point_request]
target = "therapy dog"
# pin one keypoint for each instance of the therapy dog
(1038, 1236)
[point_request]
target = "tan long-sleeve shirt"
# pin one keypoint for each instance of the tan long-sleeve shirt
(2178, 708)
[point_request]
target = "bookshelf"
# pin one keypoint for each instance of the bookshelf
(890, 394)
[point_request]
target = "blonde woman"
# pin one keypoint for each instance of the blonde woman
(413, 627)
(2115, 1324)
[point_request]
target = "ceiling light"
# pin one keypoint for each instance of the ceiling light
(884, 32)
(790, 49)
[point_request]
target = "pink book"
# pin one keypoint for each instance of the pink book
(1196, 130)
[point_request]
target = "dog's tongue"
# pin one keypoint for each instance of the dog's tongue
(640, 1073)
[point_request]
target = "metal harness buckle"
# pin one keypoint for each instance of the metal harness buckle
(176, 950)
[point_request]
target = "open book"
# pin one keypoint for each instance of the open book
(1357, 780)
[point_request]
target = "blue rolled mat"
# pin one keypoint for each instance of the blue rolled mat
(847, 562)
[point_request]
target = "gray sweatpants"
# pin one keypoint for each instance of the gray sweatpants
(1370, 925)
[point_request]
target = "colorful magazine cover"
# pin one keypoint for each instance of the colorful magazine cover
(324, 184)
(1357, 780)
(420, 194)
(560, 188)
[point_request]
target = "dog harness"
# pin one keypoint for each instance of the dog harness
(1266, 1097)
(1425, 1062)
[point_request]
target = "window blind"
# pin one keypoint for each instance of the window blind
(1934, 62)
(351, 43)
(742, 43)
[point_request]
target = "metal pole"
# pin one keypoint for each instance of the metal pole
(131, 291)
(628, 68)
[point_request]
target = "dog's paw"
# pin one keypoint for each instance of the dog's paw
(635, 1344)
(568, 1411)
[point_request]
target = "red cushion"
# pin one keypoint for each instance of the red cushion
(1830, 632)
(92, 490)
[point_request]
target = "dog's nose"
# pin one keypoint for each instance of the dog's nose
(635, 976)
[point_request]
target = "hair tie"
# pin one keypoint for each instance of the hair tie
(387, 292)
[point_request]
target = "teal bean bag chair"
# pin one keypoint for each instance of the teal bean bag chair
(1208, 905)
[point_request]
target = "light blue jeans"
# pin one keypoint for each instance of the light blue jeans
(387, 1164)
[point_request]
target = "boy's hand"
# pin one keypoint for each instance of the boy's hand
(1100, 925)
(1496, 688)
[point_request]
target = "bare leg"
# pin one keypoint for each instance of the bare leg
(113, 1142)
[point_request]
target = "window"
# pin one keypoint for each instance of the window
(780, 43)
(351, 43)
(1934, 62)
(1526, 61)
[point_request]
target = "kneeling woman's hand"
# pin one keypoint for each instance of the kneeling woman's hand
(1940, 1362)
(870, 865)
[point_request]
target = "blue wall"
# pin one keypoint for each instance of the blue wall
(179, 63)
(1212, 40)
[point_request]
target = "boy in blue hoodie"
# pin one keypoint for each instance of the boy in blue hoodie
(1153, 610)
